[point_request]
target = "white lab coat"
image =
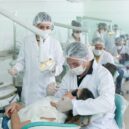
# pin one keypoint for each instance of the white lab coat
(35, 82)
(102, 108)
(105, 58)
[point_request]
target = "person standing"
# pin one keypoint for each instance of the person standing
(34, 54)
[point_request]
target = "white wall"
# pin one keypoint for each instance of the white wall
(60, 10)
(116, 10)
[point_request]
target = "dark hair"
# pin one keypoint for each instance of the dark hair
(85, 94)
(102, 26)
(118, 39)
(115, 27)
(75, 23)
(74, 92)
(111, 67)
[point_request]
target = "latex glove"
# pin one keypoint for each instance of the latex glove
(64, 105)
(13, 72)
(52, 88)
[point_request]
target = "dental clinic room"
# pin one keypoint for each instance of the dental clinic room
(64, 64)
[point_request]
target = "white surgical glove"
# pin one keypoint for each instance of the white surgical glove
(13, 72)
(52, 88)
(64, 105)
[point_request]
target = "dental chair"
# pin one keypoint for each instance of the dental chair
(121, 106)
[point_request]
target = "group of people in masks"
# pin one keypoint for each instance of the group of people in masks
(116, 45)
(85, 70)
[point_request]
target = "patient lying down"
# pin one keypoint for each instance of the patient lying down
(43, 110)
(39, 111)
(79, 94)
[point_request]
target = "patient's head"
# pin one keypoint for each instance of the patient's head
(82, 94)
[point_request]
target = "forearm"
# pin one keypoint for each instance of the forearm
(15, 121)
(93, 106)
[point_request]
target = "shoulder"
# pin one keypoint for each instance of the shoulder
(101, 71)
(107, 54)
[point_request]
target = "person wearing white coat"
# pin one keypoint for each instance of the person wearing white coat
(86, 73)
(76, 35)
(122, 49)
(108, 40)
(34, 51)
(101, 56)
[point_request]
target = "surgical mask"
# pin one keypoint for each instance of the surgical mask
(119, 47)
(97, 52)
(46, 33)
(78, 70)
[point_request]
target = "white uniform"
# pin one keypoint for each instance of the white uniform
(101, 84)
(105, 58)
(35, 82)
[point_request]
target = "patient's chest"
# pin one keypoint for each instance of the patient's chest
(40, 109)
